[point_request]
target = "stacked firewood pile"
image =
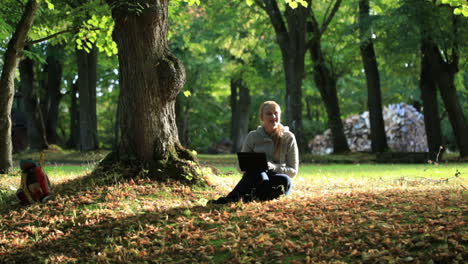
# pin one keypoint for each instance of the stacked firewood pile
(404, 127)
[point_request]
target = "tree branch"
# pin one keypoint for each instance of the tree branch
(271, 7)
(76, 29)
(330, 17)
(32, 42)
(316, 34)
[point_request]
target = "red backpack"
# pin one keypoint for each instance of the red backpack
(34, 183)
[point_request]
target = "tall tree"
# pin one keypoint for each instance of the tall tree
(10, 63)
(74, 138)
(428, 88)
(87, 70)
(374, 98)
(325, 78)
(440, 40)
(150, 78)
(447, 69)
(53, 71)
(240, 110)
(290, 29)
(37, 139)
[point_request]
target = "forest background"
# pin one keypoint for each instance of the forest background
(232, 62)
(235, 57)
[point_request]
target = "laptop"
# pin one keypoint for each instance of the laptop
(252, 161)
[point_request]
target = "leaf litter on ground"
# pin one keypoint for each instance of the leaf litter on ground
(338, 220)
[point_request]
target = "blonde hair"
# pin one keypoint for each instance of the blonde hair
(279, 131)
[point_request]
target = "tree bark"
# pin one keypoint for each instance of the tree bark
(374, 98)
(54, 71)
(150, 79)
(87, 65)
(37, 139)
(428, 87)
(10, 63)
(240, 109)
(291, 39)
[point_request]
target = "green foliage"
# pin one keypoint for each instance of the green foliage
(295, 3)
(49, 4)
(460, 6)
(97, 31)
(221, 40)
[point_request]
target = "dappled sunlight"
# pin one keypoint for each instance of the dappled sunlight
(351, 219)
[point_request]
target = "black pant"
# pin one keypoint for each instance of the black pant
(253, 184)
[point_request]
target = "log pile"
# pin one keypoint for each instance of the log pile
(404, 127)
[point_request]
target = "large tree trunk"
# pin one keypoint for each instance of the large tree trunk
(240, 109)
(150, 79)
(292, 42)
(10, 63)
(374, 98)
(325, 81)
(428, 87)
(34, 119)
(87, 66)
(54, 71)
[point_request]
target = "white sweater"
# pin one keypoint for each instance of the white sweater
(286, 161)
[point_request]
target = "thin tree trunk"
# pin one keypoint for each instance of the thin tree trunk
(87, 89)
(37, 139)
(10, 63)
(291, 38)
(448, 91)
(326, 83)
(240, 109)
(456, 116)
(74, 139)
(244, 111)
(374, 98)
(428, 87)
(54, 78)
(234, 115)
(150, 78)
(325, 79)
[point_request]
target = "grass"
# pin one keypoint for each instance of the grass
(337, 213)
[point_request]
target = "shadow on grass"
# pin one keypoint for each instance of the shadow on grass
(355, 228)
(95, 179)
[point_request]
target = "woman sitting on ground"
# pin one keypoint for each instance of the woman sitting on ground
(279, 145)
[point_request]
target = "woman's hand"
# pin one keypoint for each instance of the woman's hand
(271, 166)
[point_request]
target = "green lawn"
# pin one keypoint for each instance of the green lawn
(337, 213)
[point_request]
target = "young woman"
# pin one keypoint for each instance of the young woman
(280, 147)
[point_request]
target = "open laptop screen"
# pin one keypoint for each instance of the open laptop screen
(252, 161)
